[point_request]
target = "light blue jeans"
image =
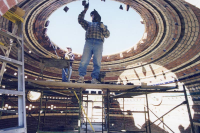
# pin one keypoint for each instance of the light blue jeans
(92, 47)
(64, 72)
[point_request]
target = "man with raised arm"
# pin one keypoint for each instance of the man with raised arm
(96, 31)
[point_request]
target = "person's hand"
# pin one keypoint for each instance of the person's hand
(86, 6)
(102, 25)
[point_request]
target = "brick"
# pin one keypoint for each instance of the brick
(20, 0)
(11, 3)
(150, 29)
(2, 3)
(3, 9)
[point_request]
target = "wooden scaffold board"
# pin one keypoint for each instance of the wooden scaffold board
(55, 84)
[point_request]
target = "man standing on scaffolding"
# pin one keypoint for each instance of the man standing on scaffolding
(96, 31)
(70, 56)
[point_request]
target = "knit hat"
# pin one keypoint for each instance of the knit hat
(97, 17)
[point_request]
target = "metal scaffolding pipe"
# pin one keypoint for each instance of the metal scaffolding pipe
(148, 113)
(38, 128)
(162, 121)
(188, 107)
(145, 119)
(102, 113)
(80, 111)
(108, 108)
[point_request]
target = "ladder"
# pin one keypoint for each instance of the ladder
(6, 48)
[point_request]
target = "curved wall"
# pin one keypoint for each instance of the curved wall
(170, 53)
(170, 48)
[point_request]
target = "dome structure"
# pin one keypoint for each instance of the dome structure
(164, 48)
(167, 53)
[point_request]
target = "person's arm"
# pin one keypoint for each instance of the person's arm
(105, 32)
(81, 20)
(71, 56)
(66, 56)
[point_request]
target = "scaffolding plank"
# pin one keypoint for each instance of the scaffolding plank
(4, 91)
(9, 60)
(58, 63)
(53, 84)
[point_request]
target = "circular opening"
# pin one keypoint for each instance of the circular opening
(125, 27)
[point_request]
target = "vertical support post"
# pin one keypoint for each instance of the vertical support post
(145, 119)
(81, 100)
(188, 107)
(92, 111)
(108, 110)
(123, 114)
(80, 112)
(44, 113)
(102, 112)
(148, 113)
(38, 128)
(87, 113)
(21, 83)
(123, 104)
(66, 112)
(2, 104)
(163, 123)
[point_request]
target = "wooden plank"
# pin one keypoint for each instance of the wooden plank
(53, 84)
(51, 62)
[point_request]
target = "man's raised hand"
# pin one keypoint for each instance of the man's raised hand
(86, 6)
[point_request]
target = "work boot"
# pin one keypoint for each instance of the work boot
(81, 79)
(95, 81)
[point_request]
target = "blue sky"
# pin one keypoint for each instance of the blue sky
(124, 26)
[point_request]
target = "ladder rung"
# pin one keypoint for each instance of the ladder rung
(9, 35)
(12, 92)
(8, 111)
(9, 60)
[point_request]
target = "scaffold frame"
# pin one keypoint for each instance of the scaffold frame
(20, 92)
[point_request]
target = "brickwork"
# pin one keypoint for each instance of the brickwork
(52, 123)
(5, 5)
(63, 117)
(163, 22)
(172, 30)
(169, 50)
